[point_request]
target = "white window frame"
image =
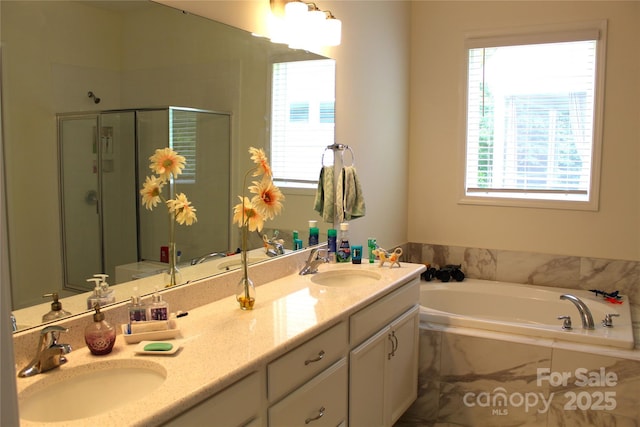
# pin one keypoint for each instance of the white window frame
(534, 35)
(314, 154)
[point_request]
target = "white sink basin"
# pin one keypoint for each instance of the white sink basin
(345, 277)
(88, 390)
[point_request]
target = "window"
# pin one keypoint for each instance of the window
(533, 118)
(183, 140)
(302, 120)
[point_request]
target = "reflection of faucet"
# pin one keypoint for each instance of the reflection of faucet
(273, 246)
(50, 354)
(585, 313)
(311, 265)
(207, 256)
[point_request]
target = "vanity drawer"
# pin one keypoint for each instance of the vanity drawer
(237, 405)
(371, 319)
(320, 402)
(304, 362)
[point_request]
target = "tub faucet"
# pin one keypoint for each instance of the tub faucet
(585, 313)
(314, 260)
(50, 353)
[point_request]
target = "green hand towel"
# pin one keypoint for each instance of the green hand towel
(324, 202)
(352, 198)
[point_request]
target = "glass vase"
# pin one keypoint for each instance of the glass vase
(172, 275)
(246, 290)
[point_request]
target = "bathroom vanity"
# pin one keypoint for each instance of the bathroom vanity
(343, 352)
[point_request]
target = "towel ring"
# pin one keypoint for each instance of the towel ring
(341, 148)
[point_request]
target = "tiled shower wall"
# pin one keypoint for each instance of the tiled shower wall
(561, 271)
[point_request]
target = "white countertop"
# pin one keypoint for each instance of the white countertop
(221, 344)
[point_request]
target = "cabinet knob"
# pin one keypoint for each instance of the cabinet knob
(317, 417)
(316, 359)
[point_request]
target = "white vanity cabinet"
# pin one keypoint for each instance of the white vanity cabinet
(383, 365)
(239, 405)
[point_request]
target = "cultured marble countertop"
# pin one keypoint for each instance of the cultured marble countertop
(221, 344)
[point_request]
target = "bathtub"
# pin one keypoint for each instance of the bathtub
(523, 309)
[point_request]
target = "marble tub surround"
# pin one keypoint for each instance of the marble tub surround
(532, 268)
(221, 344)
(463, 373)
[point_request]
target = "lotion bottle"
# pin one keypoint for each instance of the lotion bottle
(100, 336)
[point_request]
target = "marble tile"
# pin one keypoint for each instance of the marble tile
(475, 372)
(594, 390)
(476, 263)
(538, 269)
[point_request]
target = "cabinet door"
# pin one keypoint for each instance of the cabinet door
(403, 363)
(367, 378)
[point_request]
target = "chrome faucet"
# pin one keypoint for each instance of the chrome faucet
(207, 256)
(312, 263)
(585, 313)
(50, 353)
(273, 246)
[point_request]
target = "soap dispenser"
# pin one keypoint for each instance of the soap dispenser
(96, 296)
(108, 295)
(100, 336)
(56, 309)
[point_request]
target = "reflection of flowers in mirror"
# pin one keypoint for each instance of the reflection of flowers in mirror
(166, 163)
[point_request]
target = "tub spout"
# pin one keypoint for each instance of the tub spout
(585, 313)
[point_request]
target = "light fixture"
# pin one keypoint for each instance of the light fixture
(303, 25)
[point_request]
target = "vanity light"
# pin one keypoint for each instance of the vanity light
(303, 25)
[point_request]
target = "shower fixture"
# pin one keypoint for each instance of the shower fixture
(94, 97)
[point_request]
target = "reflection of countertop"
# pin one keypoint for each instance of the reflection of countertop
(221, 344)
(27, 317)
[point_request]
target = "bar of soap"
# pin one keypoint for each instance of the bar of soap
(158, 346)
(150, 326)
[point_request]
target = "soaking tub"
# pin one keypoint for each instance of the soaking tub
(523, 309)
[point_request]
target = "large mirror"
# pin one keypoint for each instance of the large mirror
(131, 55)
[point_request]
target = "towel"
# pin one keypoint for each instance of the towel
(325, 195)
(349, 195)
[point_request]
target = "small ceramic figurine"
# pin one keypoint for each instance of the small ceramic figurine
(384, 256)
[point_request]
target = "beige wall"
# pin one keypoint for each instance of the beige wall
(437, 65)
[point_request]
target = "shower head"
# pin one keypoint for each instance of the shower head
(94, 97)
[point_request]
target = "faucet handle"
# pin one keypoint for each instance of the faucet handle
(49, 335)
(566, 325)
(608, 320)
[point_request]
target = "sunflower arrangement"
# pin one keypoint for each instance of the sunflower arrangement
(167, 165)
(251, 213)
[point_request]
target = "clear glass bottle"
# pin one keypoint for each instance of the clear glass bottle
(100, 336)
(159, 309)
(57, 312)
(344, 248)
(137, 311)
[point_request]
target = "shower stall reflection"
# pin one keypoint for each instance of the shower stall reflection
(103, 162)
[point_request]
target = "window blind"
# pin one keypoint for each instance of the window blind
(530, 119)
(183, 141)
(302, 119)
